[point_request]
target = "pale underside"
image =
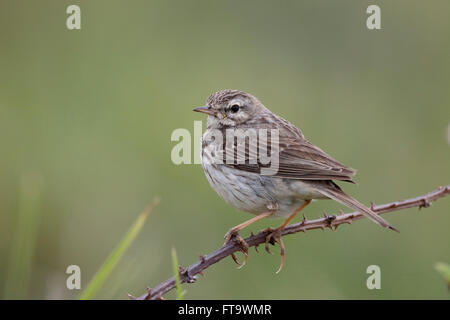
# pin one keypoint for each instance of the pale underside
(301, 165)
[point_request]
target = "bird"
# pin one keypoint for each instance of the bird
(303, 171)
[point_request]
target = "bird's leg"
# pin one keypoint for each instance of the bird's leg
(233, 233)
(275, 234)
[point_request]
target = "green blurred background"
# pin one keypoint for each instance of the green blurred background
(86, 118)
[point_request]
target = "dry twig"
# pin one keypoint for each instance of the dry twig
(189, 274)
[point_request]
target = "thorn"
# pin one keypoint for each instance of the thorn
(202, 258)
(185, 273)
(341, 212)
(351, 217)
(330, 219)
(147, 296)
(372, 206)
(256, 248)
(304, 220)
(425, 203)
(191, 279)
(201, 273)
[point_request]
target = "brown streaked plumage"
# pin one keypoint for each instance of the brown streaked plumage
(305, 172)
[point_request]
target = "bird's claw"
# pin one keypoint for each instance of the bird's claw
(234, 235)
(274, 235)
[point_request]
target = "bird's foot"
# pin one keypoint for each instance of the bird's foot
(274, 235)
(233, 235)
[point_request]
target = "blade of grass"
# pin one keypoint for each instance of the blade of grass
(176, 273)
(105, 270)
(444, 270)
(25, 236)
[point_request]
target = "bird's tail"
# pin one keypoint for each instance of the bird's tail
(334, 192)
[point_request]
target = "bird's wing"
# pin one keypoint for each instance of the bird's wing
(298, 158)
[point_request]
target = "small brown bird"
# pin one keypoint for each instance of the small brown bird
(303, 172)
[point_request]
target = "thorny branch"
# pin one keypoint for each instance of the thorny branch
(189, 274)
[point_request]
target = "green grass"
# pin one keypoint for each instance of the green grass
(25, 235)
(444, 270)
(179, 291)
(105, 270)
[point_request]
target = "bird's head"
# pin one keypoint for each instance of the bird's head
(230, 108)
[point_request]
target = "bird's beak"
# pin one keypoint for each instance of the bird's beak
(207, 110)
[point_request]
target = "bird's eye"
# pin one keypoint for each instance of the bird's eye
(234, 108)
